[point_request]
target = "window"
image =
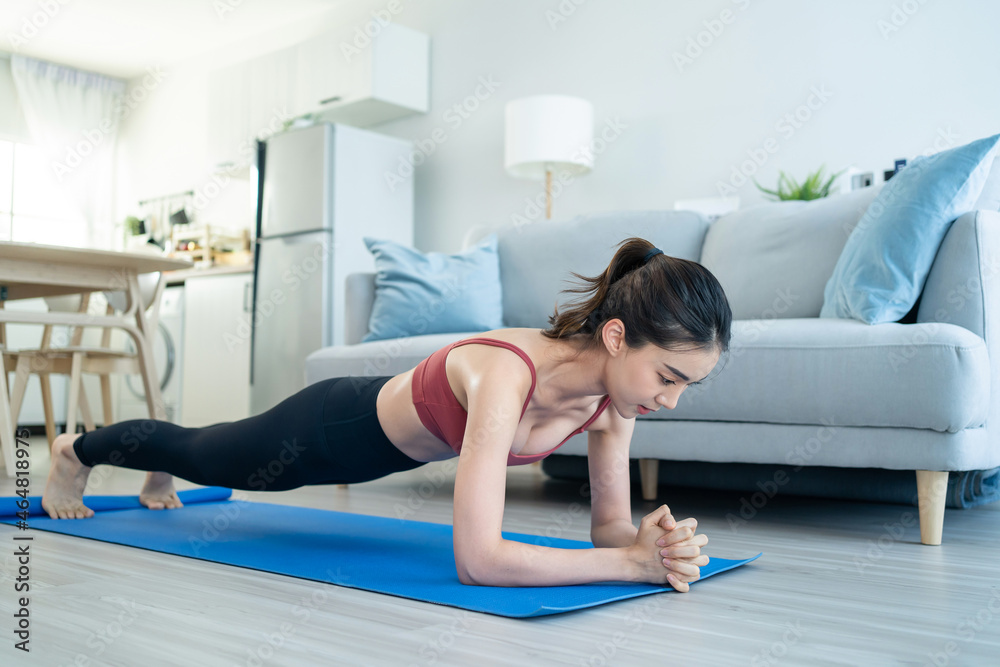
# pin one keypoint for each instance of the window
(32, 206)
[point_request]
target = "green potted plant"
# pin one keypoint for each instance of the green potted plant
(814, 187)
(134, 226)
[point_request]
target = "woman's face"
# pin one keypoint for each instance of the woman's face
(642, 380)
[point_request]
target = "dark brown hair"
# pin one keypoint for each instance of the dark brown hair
(673, 303)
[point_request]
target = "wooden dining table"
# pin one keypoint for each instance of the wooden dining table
(31, 270)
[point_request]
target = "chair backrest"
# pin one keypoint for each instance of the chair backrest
(147, 290)
(150, 290)
(73, 303)
(150, 294)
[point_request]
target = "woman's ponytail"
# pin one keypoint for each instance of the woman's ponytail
(670, 302)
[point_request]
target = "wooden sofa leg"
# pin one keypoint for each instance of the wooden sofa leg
(932, 486)
(649, 472)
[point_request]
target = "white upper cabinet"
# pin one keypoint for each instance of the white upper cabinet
(345, 76)
(349, 77)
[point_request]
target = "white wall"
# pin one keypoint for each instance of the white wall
(888, 93)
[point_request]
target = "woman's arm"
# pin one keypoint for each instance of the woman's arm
(608, 443)
(610, 487)
(496, 393)
(519, 564)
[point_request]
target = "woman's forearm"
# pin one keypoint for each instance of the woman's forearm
(619, 533)
(518, 564)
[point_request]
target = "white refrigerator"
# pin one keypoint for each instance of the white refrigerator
(321, 189)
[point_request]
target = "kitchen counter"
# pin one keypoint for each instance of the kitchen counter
(178, 277)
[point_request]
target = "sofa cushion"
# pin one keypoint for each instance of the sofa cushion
(376, 358)
(845, 373)
(885, 262)
(426, 293)
(536, 259)
(773, 260)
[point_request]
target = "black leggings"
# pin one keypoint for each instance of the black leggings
(328, 433)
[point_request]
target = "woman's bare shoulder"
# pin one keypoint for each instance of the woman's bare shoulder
(469, 365)
(526, 340)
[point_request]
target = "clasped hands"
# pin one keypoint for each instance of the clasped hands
(669, 551)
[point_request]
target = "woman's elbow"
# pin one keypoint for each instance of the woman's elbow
(464, 576)
(468, 571)
(473, 568)
(475, 555)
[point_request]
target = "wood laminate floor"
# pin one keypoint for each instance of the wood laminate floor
(840, 583)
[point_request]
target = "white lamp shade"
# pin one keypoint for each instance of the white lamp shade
(548, 131)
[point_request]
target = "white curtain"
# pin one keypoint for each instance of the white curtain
(73, 115)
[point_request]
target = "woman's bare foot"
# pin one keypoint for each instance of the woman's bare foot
(158, 493)
(63, 495)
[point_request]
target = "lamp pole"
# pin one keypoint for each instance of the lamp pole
(548, 192)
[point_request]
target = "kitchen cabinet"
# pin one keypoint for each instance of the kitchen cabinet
(352, 78)
(216, 360)
(249, 101)
(344, 76)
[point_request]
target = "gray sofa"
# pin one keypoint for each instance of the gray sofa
(798, 393)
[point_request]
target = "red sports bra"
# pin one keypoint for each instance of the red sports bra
(442, 414)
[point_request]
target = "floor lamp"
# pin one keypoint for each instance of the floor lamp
(547, 132)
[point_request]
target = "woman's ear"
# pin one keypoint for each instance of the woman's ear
(613, 335)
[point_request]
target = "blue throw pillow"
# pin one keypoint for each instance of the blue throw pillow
(418, 293)
(989, 200)
(887, 257)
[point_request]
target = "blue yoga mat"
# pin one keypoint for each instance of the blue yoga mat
(410, 559)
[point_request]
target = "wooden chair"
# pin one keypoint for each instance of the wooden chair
(7, 362)
(76, 359)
